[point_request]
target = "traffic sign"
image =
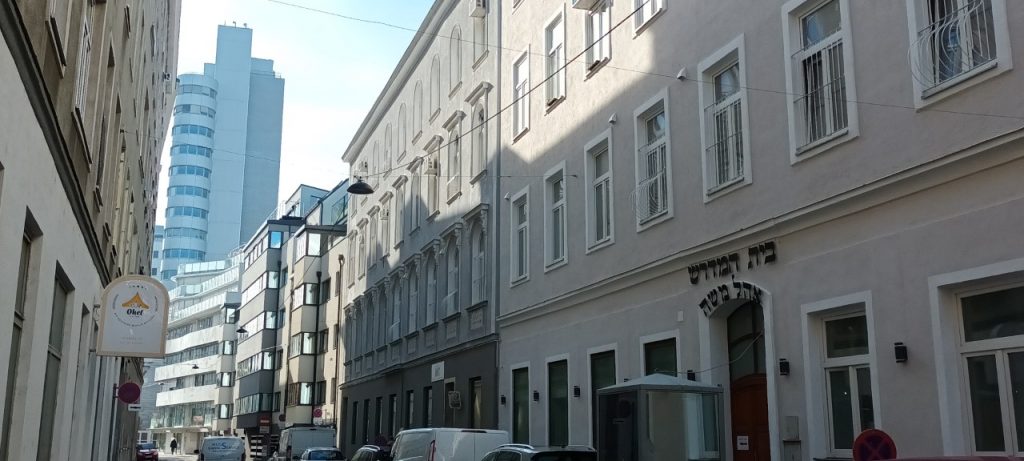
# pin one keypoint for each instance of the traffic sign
(134, 406)
(129, 392)
(873, 445)
(317, 412)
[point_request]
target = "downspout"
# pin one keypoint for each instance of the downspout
(496, 200)
(316, 357)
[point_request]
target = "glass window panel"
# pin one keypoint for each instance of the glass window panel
(985, 408)
(521, 405)
(656, 127)
(847, 336)
(558, 403)
(840, 404)
(994, 315)
(660, 357)
(602, 374)
(821, 23)
(1016, 364)
(727, 83)
(866, 409)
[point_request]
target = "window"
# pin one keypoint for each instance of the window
(186, 211)
(417, 112)
(520, 236)
(192, 129)
(410, 412)
(416, 197)
(521, 405)
(660, 357)
(602, 374)
(476, 402)
(183, 253)
(194, 191)
(82, 81)
(226, 380)
(431, 290)
(414, 298)
(955, 40)
(554, 61)
(478, 245)
(366, 420)
(435, 88)
(455, 56)
(521, 94)
(393, 414)
(597, 39)
(379, 416)
(189, 170)
(723, 99)
(362, 250)
(597, 156)
(993, 362)
(355, 417)
(479, 37)
(403, 132)
(54, 356)
(454, 161)
(817, 40)
(322, 341)
(479, 139)
(652, 190)
(645, 11)
(185, 232)
(428, 406)
(451, 300)
(224, 411)
(433, 194)
(555, 234)
(558, 403)
(21, 300)
(399, 215)
(848, 380)
(228, 348)
(302, 344)
(385, 226)
(388, 149)
(299, 394)
(395, 323)
(191, 149)
(275, 239)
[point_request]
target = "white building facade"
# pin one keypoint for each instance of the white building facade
(813, 204)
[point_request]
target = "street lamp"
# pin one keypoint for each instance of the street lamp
(195, 367)
(360, 187)
(242, 331)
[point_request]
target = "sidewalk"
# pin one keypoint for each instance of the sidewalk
(177, 457)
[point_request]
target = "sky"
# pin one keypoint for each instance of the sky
(333, 68)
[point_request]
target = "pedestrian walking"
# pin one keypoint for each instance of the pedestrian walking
(174, 445)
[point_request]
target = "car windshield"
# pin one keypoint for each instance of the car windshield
(565, 456)
(146, 446)
(325, 454)
(412, 446)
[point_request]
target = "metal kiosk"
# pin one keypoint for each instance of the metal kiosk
(659, 418)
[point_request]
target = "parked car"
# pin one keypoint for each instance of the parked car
(296, 439)
(372, 453)
(323, 453)
(446, 444)
(226, 448)
(146, 452)
(522, 452)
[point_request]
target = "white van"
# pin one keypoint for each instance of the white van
(446, 444)
(222, 449)
(297, 439)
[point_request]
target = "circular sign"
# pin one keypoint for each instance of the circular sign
(129, 392)
(873, 445)
(317, 412)
(281, 417)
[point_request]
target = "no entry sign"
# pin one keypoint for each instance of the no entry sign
(873, 445)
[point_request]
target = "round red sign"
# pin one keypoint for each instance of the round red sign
(317, 412)
(129, 393)
(873, 445)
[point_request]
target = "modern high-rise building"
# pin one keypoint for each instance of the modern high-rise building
(225, 154)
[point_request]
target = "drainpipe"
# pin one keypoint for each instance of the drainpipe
(495, 217)
(316, 357)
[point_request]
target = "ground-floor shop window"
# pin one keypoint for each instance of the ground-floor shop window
(993, 357)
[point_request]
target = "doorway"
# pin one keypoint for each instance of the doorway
(748, 386)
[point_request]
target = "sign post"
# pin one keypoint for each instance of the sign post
(133, 318)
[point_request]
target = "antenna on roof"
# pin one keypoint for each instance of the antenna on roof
(233, 23)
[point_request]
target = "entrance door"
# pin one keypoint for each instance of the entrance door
(748, 390)
(449, 411)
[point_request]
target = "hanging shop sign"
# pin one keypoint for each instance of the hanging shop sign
(133, 318)
(732, 263)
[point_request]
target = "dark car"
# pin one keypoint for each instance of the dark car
(146, 452)
(522, 452)
(323, 453)
(372, 453)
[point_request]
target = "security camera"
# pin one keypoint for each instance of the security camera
(682, 74)
(508, 196)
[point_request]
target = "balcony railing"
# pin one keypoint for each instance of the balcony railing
(724, 155)
(959, 38)
(651, 194)
(821, 110)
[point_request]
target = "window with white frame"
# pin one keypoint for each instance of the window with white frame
(417, 110)
(454, 161)
(451, 300)
(599, 195)
(819, 72)
(374, 236)
(520, 235)
(645, 11)
(388, 149)
(597, 38)
(652, 191)
(353, 248)
(479, 137)
(431, 305)
(395, 328)
(375, 166)
(433, 185)
(554, 213)
(723, 96)
(477, 246)
(363, 256)
(414, 297)
(554, 59)
(416, 196)
(954, 39)
(479, 36)
(82, 74)
(385, 226)
(399, 214)
(403, 132)
(455, 59)
(992, 350)
(521, 95)
(846, 363)
(435, 87)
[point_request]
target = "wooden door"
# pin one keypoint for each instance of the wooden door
(749, 402)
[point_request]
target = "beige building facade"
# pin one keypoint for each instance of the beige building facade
(87, 90)
(812, 204)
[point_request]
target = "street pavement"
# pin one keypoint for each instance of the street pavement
(178, 457)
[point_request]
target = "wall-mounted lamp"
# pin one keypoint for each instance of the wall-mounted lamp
(195, 367)
(900, 350)
(576, 391)
(783, 367)
(691, 375)
(502, 400)
(536, 396)
(242, 331)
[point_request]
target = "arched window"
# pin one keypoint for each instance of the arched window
(455, 53)
(414, 298)
(431, 316)
(417, 110)
(374, 169)
(452, 299)
(383, 318)
(396, 313)
(477, 266)
(479, 122)
(388, 148)
(403, 133)
(435, 87)
(454, 160)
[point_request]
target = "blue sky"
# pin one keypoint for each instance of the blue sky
(334, 68)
